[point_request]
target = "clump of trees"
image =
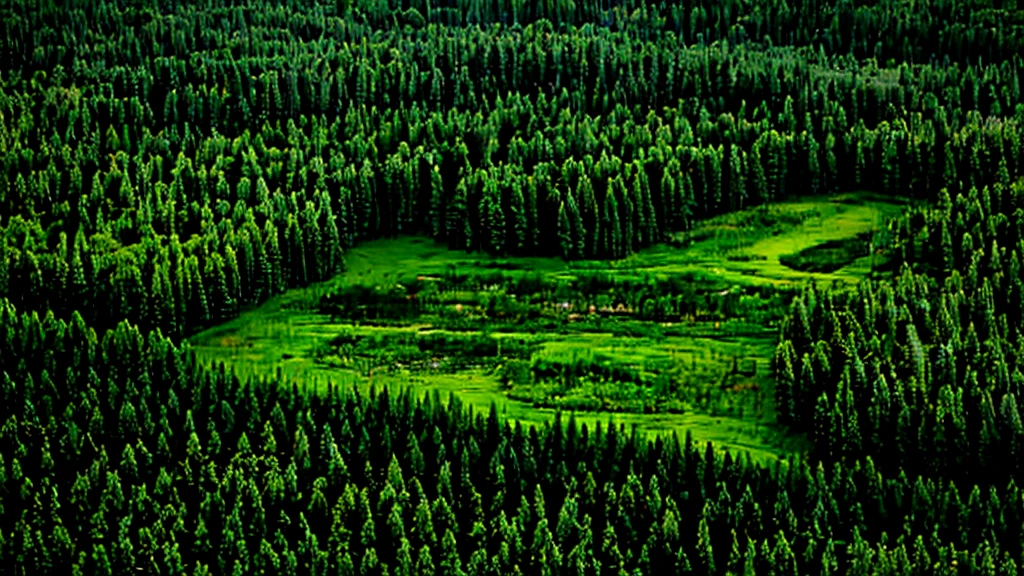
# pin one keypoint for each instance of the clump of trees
(492, 299)
(922, 372)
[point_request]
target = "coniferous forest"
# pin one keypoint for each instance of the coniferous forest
(165, 166)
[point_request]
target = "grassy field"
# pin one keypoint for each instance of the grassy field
(754, 246)
(787, 243)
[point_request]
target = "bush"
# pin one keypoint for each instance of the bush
(515, 373)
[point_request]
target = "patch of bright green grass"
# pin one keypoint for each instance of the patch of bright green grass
(747, 248)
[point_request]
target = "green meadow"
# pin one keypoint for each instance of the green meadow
(701, 365)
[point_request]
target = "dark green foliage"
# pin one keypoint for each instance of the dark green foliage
(829, 256)
(165, 164)
(931, 359)
(239, 169)
(537, 508)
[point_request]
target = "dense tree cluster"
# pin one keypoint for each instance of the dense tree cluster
(163, 164)
(924, 372)
(169, 171)
(121, 454)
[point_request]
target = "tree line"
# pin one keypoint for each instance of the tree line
(121, 453)
(174, 186)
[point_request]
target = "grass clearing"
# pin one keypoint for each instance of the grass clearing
(719, 369)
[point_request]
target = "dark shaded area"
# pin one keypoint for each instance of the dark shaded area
(829, 256)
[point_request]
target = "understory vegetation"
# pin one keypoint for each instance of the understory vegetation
(244, 245)
(593, 341)
(558, 344)
(633, 337)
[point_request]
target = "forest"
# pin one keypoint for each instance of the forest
(460, 287)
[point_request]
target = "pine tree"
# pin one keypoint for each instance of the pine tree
(520, 225)
(494, 222)
(459, 233)
(577, 232)
(611, 236)
(565, 237)
(705, 554)
(424, 562)
(783, 560)
(450, 561)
